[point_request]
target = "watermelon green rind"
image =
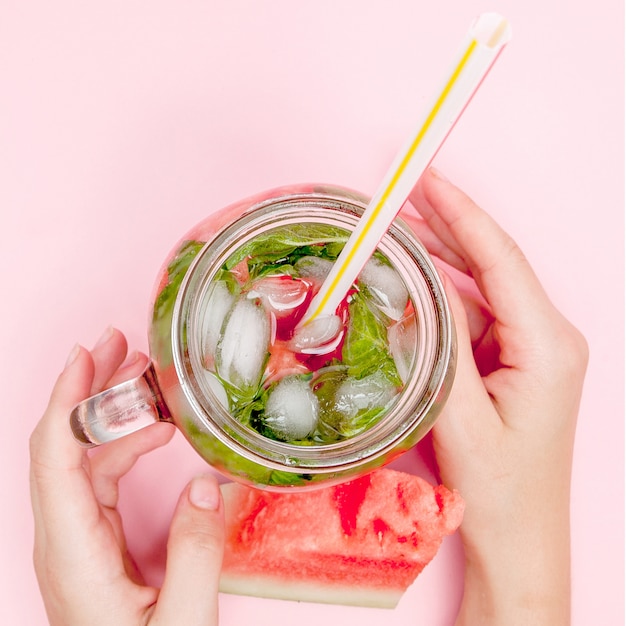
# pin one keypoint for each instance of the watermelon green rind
(297, 591)
(360, 544)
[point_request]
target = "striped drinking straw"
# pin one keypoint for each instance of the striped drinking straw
(487, 36)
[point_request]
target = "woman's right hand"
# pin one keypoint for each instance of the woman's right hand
(505, 438)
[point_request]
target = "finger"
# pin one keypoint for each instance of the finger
(60, 488)
(479, 316)
(468, 398)
(52, 446)
(51, 443)
(115, 459)
(487, 354)
(194, 557)
(435, 246)
(134, 365)
(498, 266)
(108, 354)
(435, 224)
(109, 464)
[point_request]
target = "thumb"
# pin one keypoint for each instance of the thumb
(458, 425)
(194, 557)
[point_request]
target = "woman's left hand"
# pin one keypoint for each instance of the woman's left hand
(85, 572)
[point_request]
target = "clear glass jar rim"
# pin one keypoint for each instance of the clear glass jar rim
(340, 208)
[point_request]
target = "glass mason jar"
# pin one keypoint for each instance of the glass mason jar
(178, 387)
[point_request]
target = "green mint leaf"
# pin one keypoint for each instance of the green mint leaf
(228, 278)
(278, 477)
(361, 421)
(176, 271)
(276, 245)
(164, 304)
(339, 419)
(365, 349)
(245, 404)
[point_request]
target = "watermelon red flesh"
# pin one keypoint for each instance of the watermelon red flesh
(362, 543)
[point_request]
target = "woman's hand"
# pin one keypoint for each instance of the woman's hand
(85, 572)
(506, 435)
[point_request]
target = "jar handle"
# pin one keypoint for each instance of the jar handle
(120, 410)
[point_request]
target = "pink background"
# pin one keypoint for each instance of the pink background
(123, 123)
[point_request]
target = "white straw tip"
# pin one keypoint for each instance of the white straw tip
(491, 30)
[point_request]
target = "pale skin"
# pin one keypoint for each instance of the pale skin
(504, 440)
(85, 572)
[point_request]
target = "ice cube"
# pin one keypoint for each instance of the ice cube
(402, 338)
(292, 409)
(355, 395)
(386, 286)
(216, 305)
(282, 292)
(217, 388)
(319, 336)
(313, 268)
(243, 347)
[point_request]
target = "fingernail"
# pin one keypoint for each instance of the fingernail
(205, 493)
(437, 174)
(106, 335)
(71, 357)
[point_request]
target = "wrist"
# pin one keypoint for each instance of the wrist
(512, 601)
(521, 576)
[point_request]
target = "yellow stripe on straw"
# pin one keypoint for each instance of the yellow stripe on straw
(482, 45)
(454, 77)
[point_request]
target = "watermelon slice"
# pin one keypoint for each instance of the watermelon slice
(362, 543)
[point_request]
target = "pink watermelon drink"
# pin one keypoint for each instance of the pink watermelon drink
(276, 403)
(306, 384)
